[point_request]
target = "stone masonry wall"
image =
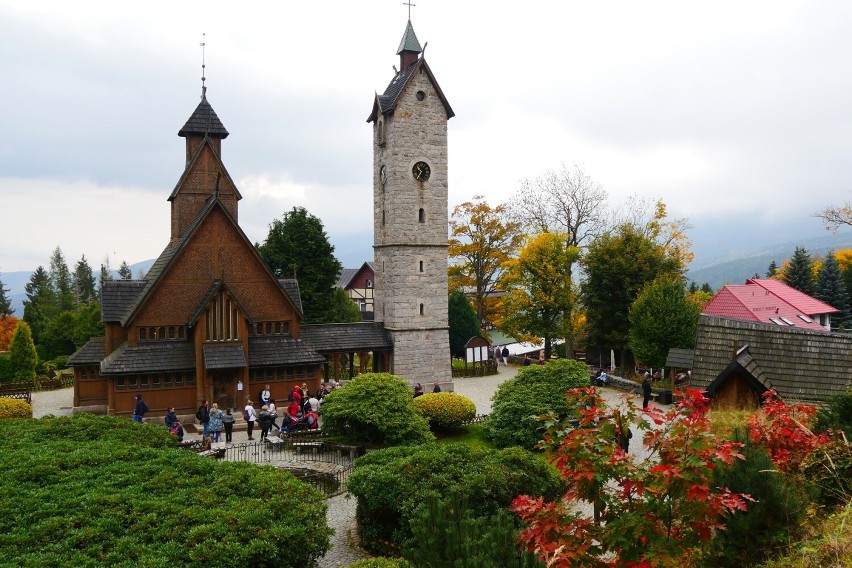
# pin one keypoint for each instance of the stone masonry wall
(410, 247)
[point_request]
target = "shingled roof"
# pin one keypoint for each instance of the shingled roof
(204, 122)
(349, 337)
(291, 287)
(117, 296)
(276, 350)
(386, 103)
(224, 357)
(800, 364)
(89, 354)
(150, 357)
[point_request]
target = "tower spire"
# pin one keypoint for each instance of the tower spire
(203, 66)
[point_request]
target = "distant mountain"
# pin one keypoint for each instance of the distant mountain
(16, 282)
(736, 267)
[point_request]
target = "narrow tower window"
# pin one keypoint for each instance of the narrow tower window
(421, 215)
(421, 266)
(421, 309)
(380, 132)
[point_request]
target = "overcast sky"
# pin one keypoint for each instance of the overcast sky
(737, 114)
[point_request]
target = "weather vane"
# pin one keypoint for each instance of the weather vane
(203, 78)
(409, 4)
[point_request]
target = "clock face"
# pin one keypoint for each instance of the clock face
(383, 175)
(421, 171)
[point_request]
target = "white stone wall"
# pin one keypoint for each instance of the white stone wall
(410, 254)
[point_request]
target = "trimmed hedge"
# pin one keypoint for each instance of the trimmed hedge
(445, 409)
(374, 409)
(535, 390)
(15, 408)
(391, 484)
(104, 491)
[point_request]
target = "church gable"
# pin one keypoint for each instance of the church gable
(215, 251)
(205, 175)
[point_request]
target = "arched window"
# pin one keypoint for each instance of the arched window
(421, 215)
(421, 309)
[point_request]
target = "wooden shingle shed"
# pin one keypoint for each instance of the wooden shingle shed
(736, 361)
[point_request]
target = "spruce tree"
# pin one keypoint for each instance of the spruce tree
(124, 271)
(5, 302)
(22, 353)
(799, 274)
(84, 282)
(61, 281)
(772, 270)
(40, 305)
(831, 290)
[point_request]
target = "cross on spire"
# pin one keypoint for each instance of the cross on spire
(409, 4)
(203, 78)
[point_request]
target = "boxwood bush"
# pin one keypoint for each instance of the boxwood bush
(445, 409)
(15, 408)
(375, 409)
(104, 491)
(391, 484)
(535, 390)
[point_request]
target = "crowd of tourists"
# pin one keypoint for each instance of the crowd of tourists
(300, 413)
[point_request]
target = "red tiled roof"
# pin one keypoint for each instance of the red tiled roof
(762, 301)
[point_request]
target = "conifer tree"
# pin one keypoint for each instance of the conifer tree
(5, 302)
(84, 282)
(40, 305)
(61, 281)
(124, 271)
(831, 290)
(463, 322)
(772, 270)
(23, 354)
(799, 274)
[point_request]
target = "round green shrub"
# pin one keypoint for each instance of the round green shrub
(535, 390)
(381, 563)
(391, 484)
(15, 408)
(105, 491)
(375, 409)
(445, 409)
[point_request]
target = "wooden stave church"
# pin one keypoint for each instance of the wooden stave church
(209, 317)
(168, 337)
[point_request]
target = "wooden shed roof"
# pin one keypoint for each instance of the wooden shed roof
(800, 364)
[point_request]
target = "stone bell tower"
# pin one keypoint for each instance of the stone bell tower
(410, 217)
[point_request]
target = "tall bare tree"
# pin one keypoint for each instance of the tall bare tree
(482, 238)
(569, 202)
(566, 201)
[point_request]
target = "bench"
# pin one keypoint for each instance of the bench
(299, 447)
(217, 453)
